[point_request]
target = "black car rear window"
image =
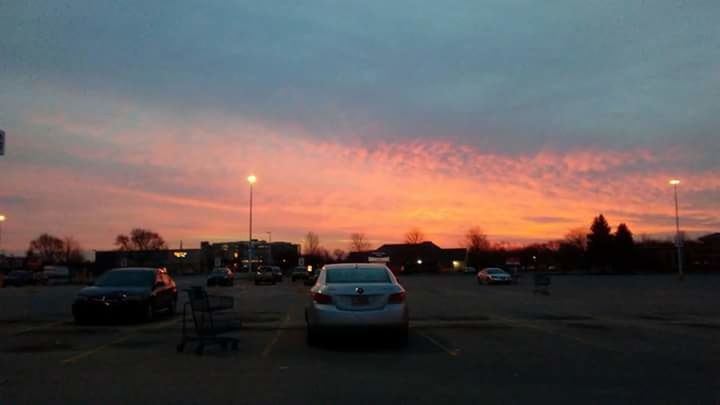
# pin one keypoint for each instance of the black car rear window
(357, 275)
(126, 278)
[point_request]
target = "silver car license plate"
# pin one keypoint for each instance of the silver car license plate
(360, 300)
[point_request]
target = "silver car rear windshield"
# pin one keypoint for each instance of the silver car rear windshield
(357, 275)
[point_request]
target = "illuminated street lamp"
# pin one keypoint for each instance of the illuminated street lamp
(252, 180)
(2, 219)
(678, 240)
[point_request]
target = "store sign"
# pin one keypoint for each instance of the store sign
(378, 257)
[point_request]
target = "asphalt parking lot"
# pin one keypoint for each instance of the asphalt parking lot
(595, 339)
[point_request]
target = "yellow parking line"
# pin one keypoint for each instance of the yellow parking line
(34, 328)
(132, 333)
(97, 349)
(277, 335)
(450, 352)
(549, 331)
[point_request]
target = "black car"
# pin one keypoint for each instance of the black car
(277, 274)
(299, 273)
(18, 278)
(221, 276)
(122, 293)
(265, 274)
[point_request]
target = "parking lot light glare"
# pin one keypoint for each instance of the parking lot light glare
(674, 182)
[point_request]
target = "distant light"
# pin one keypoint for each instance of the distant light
(180, 255)
(419, 261)
(252, 179)
(2, 218)
(236, 255)
(309, 269)
(456, 263)
(674, 182)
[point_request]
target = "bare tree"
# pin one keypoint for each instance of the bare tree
(576, 237)
(414, 236)
(311, 244)
(476, 240)
(140, 239)
(72, 251)
(359, 242)
(339, 255)
(48, 248)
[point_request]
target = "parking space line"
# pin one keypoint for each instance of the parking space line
(549, 331)
(132, 333)
(34, 328)
(97, 349)
(450, 352)
(278, 333)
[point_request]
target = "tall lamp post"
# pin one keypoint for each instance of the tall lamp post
(251, 179)
(2, 219)
(678, 240)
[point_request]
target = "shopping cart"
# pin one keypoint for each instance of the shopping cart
(541, 284)
(202, 308)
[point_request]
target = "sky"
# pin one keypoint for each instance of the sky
(524, 118)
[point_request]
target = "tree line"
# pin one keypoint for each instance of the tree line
(49, 249)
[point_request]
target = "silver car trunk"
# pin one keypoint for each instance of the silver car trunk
(360, 297)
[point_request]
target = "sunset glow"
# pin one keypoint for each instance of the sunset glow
(351, 130)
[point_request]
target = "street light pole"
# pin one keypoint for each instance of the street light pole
(678, 241)
(251, 179)
(2, 219)
(270, 256)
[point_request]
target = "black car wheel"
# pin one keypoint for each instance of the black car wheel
(401, 337)
(148, 312)
(312, 336)
(80, 320)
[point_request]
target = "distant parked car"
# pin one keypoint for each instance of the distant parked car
(119, 293)
(221, 276)
(470, 269)
(265, 275)
(493, 275)
(362, 296)
(277, 273)
(299, 273)
(54, 275)
(312, 276)
(18, 278)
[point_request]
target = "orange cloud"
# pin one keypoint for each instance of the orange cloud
(188, 182)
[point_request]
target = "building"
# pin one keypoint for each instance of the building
(706, 254)
(176, 261)
(420, 257)
(184, 261)
(235, 254)
(9, 263)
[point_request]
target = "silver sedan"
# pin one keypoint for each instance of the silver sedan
(357, 296)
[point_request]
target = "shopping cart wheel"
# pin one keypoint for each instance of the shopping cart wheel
(180, 347)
